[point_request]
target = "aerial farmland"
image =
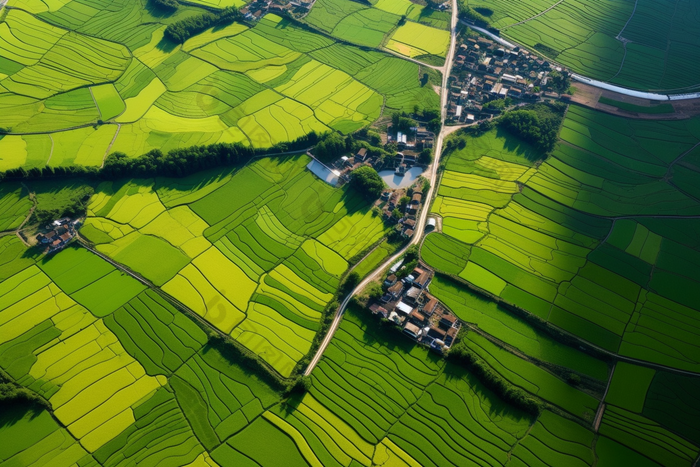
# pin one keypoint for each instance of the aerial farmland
(380, 233)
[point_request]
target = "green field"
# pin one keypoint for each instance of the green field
(261, 269)
(407, 28)
(661, 43)
(128, 89)
(176, 330)
(581, 244)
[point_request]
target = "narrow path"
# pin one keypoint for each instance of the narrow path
(420, 223)
(634, 10)
(533, 17)
(111, 143)
(601, 407)
(441, 69)
(51, 152)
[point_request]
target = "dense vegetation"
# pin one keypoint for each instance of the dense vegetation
(168, 5)
(368, 182)
(463, 355)
(12, 393)
(174, 163)
(538, 124)
(182, 30)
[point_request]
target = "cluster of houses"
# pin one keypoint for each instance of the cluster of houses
(484, 71)
(57, 234)
(422, 317)
(391, 200)
(256, 9)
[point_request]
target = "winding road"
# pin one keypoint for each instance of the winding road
(431, 174)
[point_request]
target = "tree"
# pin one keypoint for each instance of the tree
(396, 213)
(301, 385)
(367, 181)
(180, 31)
(403, 202)
(411, 253)
(425, 157)
(538, 124)
(330, 147)
(402, 123)
(434, 125)
(560, 82)
(351, 282)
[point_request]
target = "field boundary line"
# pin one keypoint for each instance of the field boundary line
(545, 325)
(601, 408)
(177, 305)
(51, 152)
(533, 17)
(99, 111)
(619, 34)
(111, 143)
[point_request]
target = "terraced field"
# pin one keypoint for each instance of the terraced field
(258, 253)
(645, 44)
(404, 27)
(128, 89)
(597, 239)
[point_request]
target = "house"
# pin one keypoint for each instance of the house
(409, 223)
(436, 333)
(394, 200)
(416, 198)
(48, 237)
(395, 290)
(408, 233)
(417, 318)
(430, 306)
(413, 295)
(422, 280)
(403, 308)
(412, 330)
(361, 155)
(390, 280)
(447, 321)
(377, 309)
(450, 336)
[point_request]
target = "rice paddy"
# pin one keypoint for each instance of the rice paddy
(651, 45)
(128, 90)
(163, 339)
(261, 269)
(407, 28)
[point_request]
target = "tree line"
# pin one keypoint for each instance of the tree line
(174, 163)
(181, 30)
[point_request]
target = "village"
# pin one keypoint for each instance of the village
(400, 204)
(487, 76)
(57, 235)
(407, 303)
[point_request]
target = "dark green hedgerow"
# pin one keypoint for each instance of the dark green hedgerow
(537, 124)
(12, 393)
(179, 31)
(174, 163)
(464, 356)
(237, 353)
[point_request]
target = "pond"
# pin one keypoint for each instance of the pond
(401, 181)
